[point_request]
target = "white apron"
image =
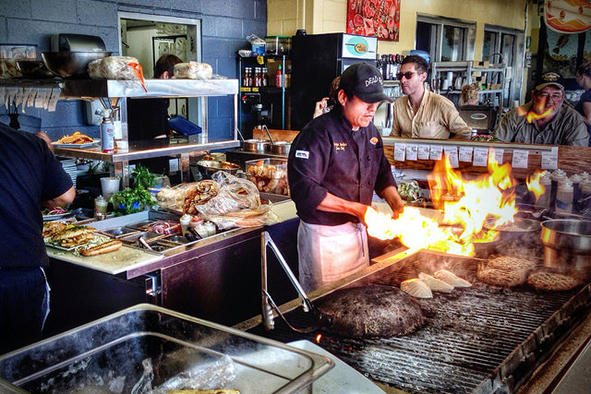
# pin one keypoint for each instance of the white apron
(329, 253)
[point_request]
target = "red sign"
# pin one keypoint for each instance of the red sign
(374, 18)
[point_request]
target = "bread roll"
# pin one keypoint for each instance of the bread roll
(192, 70)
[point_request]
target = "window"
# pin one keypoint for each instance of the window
(500, 46)
(445, 39)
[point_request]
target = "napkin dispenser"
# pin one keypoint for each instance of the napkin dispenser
(76, 43)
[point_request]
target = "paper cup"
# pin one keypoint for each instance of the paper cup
(110, 186)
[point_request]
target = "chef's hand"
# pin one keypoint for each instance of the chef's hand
(390, 194)
(332, 203)
(320, 107)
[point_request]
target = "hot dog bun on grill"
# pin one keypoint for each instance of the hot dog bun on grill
(105, 247)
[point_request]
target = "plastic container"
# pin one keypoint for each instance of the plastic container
(269, 175)
(278, 45)
(18, 51)
(544, 199)
(185, 222)
(564, 197)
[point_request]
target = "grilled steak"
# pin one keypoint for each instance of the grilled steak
(371, 311)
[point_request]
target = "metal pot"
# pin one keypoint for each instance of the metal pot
(567, 244)
(568, 234)
(255, 145)
(280, 147)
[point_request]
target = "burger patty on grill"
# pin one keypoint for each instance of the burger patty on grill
(371, 311)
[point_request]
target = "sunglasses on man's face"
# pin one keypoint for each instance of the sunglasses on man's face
(407, 75)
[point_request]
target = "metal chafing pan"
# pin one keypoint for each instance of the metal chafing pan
(118, 232)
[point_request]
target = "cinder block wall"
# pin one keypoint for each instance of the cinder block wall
(225, 24)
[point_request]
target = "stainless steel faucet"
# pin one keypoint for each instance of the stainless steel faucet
(268, 305)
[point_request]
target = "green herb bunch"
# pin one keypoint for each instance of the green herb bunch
(131, 200)
(143, 177)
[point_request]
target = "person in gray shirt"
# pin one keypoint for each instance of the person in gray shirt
(546, 119)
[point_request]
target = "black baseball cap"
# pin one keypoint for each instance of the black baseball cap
(550, 79)
(364, 81)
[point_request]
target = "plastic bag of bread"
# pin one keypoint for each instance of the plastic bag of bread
(234, 194)
(115, 67)
(192, 70)
(174, 197)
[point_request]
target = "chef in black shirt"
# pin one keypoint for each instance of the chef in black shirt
(335, 164)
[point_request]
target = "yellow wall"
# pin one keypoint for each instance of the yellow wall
(284, 17)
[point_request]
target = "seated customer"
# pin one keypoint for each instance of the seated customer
(469, 94)
(421, 113)
(546, 119)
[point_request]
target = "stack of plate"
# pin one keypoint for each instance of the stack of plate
(69, 166)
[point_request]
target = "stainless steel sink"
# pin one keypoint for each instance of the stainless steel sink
(112, 352)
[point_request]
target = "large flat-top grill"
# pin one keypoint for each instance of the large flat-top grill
(482, 339)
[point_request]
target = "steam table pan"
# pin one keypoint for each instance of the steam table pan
(111, 352)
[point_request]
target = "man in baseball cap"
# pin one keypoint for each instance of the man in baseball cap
(550, 79)
(546, 119)
(335, 164)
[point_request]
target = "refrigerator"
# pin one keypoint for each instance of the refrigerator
(317, 59)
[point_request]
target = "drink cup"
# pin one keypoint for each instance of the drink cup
(100, 207)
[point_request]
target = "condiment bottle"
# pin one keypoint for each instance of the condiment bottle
(564, 197)
(211, 229)
(279, 77)
(556, 177)
(544, 198)
(201, 230)
(195, 221)
(185, 220)
(107, 133)
(584, 203)
(576, 179)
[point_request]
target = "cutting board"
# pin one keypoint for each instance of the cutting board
(116, 262)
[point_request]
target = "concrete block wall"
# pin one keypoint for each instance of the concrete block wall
(225, 24)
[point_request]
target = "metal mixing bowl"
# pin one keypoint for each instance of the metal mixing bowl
(70, 64)
(210, 167)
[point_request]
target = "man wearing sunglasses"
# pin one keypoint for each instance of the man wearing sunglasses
(422, 113)
(546, 119)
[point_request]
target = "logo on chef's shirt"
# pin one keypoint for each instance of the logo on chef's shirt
(374, 140)
(302, 154)
(340, 145)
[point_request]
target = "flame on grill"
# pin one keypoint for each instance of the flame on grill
(469, 207)
(318, 337)
(534, 185)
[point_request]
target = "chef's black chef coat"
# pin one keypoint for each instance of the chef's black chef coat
(327, 156)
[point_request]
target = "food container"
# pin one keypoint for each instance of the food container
(255, 145)
(278, 45)
(18, 51)
(269, 175)
(111, 354)
(567, 245)
(280, 147)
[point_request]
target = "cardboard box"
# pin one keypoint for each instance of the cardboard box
(480, 63)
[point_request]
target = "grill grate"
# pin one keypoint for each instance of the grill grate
(480, 339)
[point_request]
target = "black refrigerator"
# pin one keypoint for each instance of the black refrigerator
(317, 59)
